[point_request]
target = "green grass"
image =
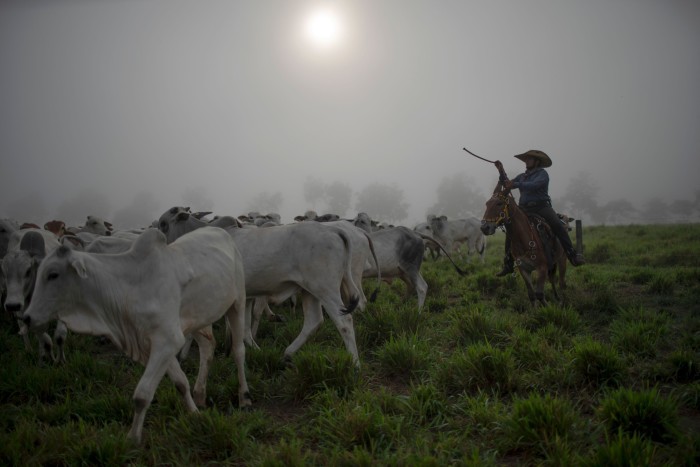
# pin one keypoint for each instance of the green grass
(479, 377)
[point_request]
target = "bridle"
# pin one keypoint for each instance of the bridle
(504, 218)
(504, 214)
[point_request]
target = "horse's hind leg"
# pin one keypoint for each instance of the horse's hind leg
(528, 284)
(541, 281)
(552, 280)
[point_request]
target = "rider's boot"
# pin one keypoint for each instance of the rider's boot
(575, 258)
(507, 267)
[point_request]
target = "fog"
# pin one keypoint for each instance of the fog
(106, 104)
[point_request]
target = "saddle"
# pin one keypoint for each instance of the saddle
(549, 240)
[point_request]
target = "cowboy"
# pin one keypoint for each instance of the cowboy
(534, 199)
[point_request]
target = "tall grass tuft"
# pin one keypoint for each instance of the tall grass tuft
(315, 370)
(286, 453)
(685, 365)
(215, 437)
(645, 413)
(543, 425)
(598, 364)
(74, 443)
(426, 405)
(623, 451)
(483, 414)
(356, 422)
(405, 357)
(479, 325)
(662, 285)
(599, 298)
(480, 367)
(566, 318)
(639, 331)
(377, 324)
(600, 253)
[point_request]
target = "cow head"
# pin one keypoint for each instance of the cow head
(19, 269)
(57, 283)
(7, 227)
(57, 227)
(97, 226)
(175, 222)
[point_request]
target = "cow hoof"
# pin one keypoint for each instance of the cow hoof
(287, 361)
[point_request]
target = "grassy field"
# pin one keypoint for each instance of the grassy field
(610, 377)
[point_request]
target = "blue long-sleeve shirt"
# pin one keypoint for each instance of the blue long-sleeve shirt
(533, 185)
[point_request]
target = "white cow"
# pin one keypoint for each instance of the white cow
(7, 227)
(399, 254)
(363, 256)
(452, 233)
(26, 249)
(97, 225)
(284, 260)
(146, 301)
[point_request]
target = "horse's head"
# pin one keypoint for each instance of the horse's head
(497, 210)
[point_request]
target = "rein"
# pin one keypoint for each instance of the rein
(505, 218)
(504, 215)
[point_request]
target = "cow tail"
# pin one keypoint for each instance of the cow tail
(352, 288)
(460, 271)
(373, 297)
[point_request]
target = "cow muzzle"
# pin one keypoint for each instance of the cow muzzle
(32, 322)
(13, 307)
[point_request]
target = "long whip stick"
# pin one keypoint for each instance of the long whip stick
(478, 157)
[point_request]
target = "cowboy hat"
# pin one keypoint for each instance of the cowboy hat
(544, 159)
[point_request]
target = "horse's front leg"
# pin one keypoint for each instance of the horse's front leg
(541, 281)
(527, 278)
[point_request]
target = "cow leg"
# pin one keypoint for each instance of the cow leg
(344, 324)
(249, 340)
(415, 281)
(59, 337)
(178, 377)
(236, 319)
(421, 289)
(24, 332)
(162, 356)
(185, 350)
(313, 317)
(45, 347)
(206, 343)
(260, 306)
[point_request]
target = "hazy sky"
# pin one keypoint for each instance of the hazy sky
(232, 98)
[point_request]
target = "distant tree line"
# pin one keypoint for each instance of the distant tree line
(457, 196)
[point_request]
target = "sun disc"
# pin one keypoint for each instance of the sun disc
(323, 28)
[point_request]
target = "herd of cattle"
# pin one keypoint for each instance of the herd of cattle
(152, 291)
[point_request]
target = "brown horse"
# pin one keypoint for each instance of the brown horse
(530, 250)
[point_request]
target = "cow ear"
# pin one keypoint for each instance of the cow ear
(79, 267)
(76, 241)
